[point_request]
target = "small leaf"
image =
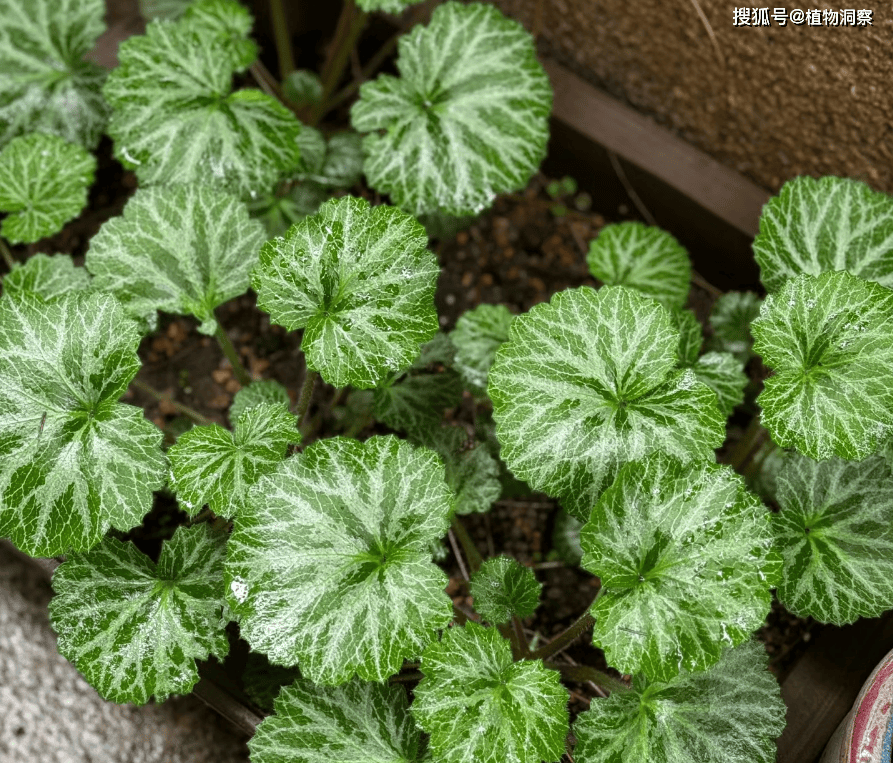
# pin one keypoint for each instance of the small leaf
(45, 278)
(832, 223)
(261, 391)
(683, 553)
(466, 120)
(385, 6)
(330, 561)
(134, 628)
(336, 164)
(45, 83)
(417, 401)
(211, 465)
(722, 372)
(43, 185)
(644, 258)
(479, 333)
(503, 588)
(731, 317)
(830, 342)
(184, 249)
(479, 706)
(303, 87)
(730, 714)
(73, 461)
(352, 723)
(566, 538)
(587, 383)
(229, 23)
(279, 213)
(360, 281)
(835, 534)
(691, 337)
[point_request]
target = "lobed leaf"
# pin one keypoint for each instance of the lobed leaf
(730, 318)
(417, 401)
(229, 23)
(44, 277)
(722, 372)
(479, 333)
(503, 588)
(691, 337)
(261, 391)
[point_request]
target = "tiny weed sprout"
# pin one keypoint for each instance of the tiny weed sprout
(317, 521)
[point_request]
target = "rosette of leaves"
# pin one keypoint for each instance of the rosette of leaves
(45, 277)
(43, 184)
(478, 334)
(134, 629)
(503, 588)
(589, 382)
(829, 340)
(835, 534)
(183, 249)
(684, 555)
(477, 704)
(360, 281)
(730, 714)
(467, 118)
(260, 391)
(730, 318)
(176, 120)
(211, 465)
(75, 462)
(644, 258)
(45, 83)
(832, 223)
(329, 563)
(229, 23)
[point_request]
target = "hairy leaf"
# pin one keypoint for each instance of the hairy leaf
(360, 281)
(479, 333)
(134, 628)
(683, 553)
(722, 372)
(73, 461)
(261, 391)
(330, 561)
(229, 23)
(730, 318)
(503, 588)
(830, 342)
(466, 120)
(45, 277)
(479, 706)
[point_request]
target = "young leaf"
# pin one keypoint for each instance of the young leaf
(730, 714)
(74, 461)
(302, 87)
(691, 337)
(45, 278)
(261, 391)
(330, 561)
(730, 318)
(722, 372)
(348, 724)
(385, 6)
(503, 588)
(479, 333)
(211, 465)
(830, 342)
(360, 281)
(229, 23)
(183, 249)
(644, 258)
(466, 120)
(479, 705)
(683, 553)
(175, 120)
(588, 382)
(134, 628)
(835, 534)
(43, 184)
(832, 223)
(279, 213)
(336, 164)
(45, 83)
(416, 401)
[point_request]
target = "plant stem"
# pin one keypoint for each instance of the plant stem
(564, 640)
(745, 446)
(368, 70)
(519, 638)
(305, 395)
(350, 26)
(471, 553)
(282, 39)
(6, 254)
(160, 396)
(583, 673)
(232, 356)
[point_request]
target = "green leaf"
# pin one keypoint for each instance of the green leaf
(45, 278)
(261, 391)
(503, 588)
(730, 714)
(73, 461)
(722, 372)
(211, 465)
(330, 561)
(175, 120)
(479, 706)
(835, 534)
(730, 318)
(336, 164)
(466, 120)
(684, 556)
(134, 628)
(43, 184)
(385, 6)
(279, 213)
(303, 87)
(45, 83)
(479, 333)
(417, 401)
(691, 337)
(183, 249)
(163, 9)
(229, 23)
(566, 538)
(644, 258)
(360, 281)
(352, 723)
(832, 223)
(588, 382)
(830, 342)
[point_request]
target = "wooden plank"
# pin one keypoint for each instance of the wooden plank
(636, 138)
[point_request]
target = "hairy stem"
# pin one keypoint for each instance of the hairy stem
(471, 553)
(190, 413)
(368, 70)
(350, 26)
(6, 254)
(583, 673)
(232, 356)
(564, 640)
(306, 394)
(282, 39)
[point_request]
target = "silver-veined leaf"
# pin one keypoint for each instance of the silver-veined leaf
(503, 588)
(134, 628)
(230, 23)
(478, 705)
(466, 120)
(73, 461)
(329, 564)
(829, 340)
(360, 281)
(479, 333)
(279, 213)
(417, 400)
(730, 318)
(385, 6)
(683, 552)
(261, 391)
(691, 337)
(722, 372)
(337, 163)
(45, 277)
